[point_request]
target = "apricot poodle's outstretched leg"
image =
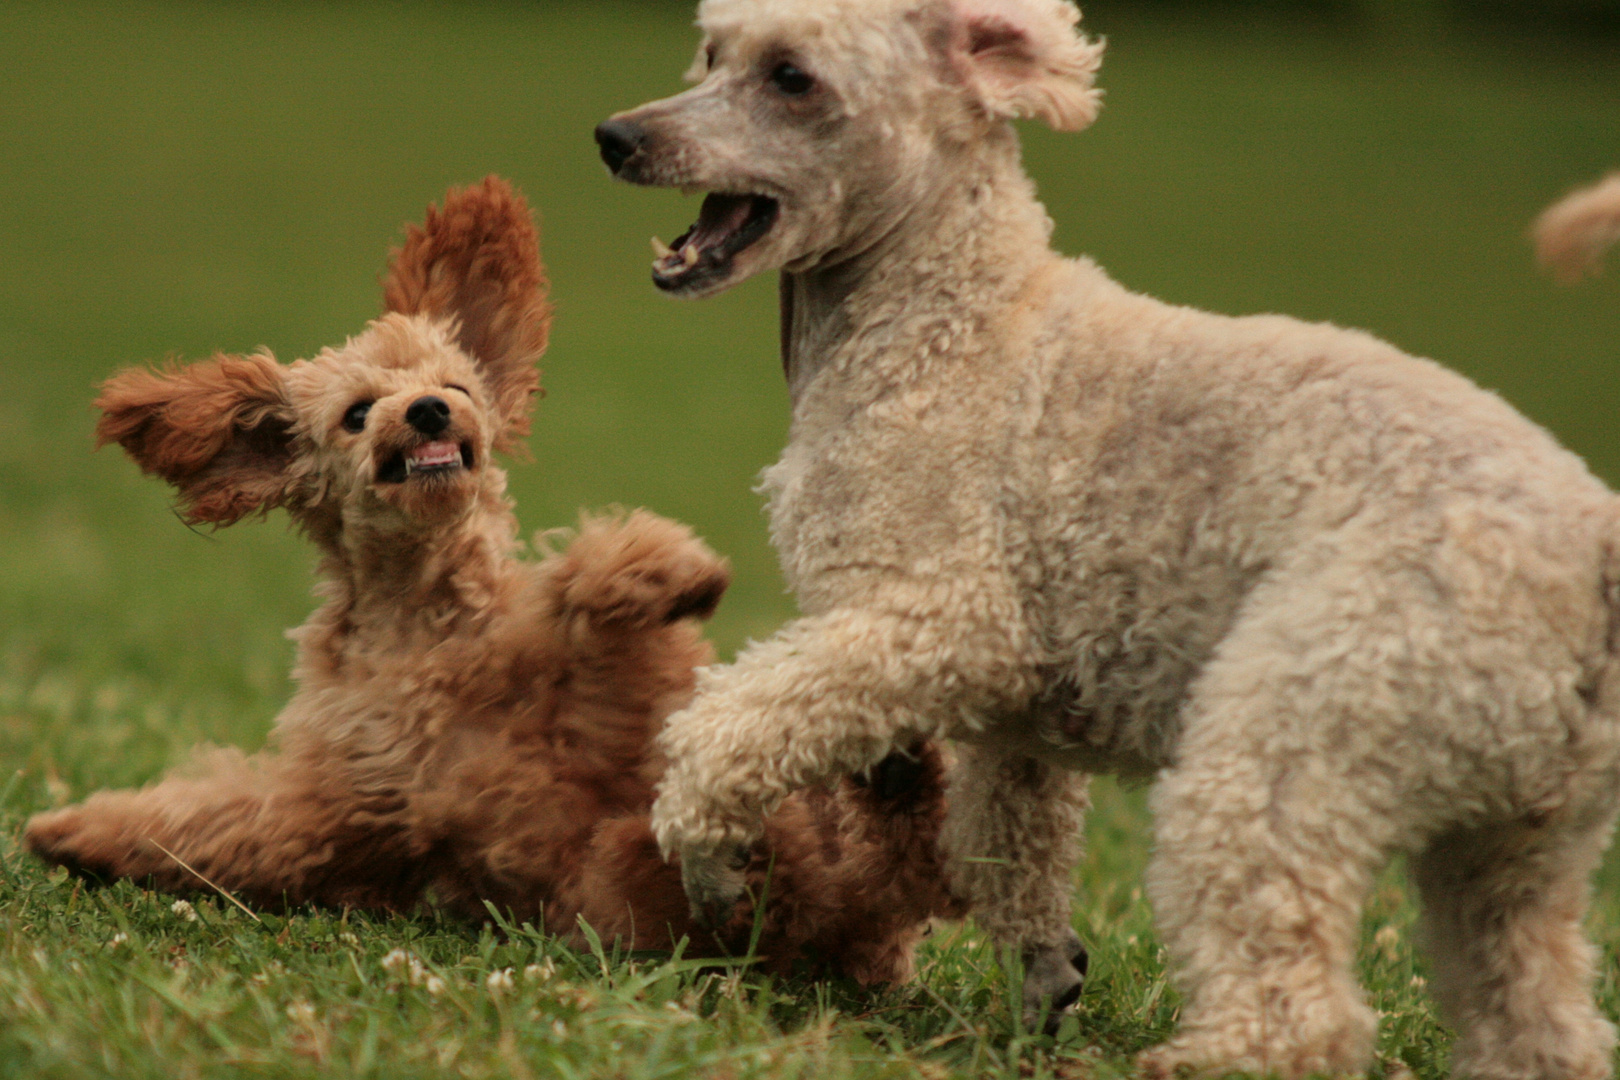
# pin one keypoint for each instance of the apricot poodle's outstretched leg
(236, 823)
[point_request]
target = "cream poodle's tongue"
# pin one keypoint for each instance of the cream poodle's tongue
(723, 224)
(434, 455)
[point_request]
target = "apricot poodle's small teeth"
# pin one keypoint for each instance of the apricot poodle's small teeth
(689, 255)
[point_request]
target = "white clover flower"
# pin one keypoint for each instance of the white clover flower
(1388, 940)
(349, 939)
(541, 972)
(184, 910)
(499, 982)
(301, 1012)
(406, 965)
(396, 961)
(433, 985)
(117, 939)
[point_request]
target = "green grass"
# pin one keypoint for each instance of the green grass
(182, 178)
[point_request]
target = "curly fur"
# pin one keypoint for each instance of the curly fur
(1343, 603)
(470, 727)
(1573, 234)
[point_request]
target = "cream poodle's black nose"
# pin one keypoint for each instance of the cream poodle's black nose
(429, 415)
(619, 140)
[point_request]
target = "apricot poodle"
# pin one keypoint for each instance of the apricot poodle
(470, 726)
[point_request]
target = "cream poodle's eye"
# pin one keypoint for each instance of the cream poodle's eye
(791, 79)
(463, 389)
(355, 419)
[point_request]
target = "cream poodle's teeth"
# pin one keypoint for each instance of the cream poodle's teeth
(689, 255)
(661, 250)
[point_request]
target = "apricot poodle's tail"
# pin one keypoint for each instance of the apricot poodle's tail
(1573, 234)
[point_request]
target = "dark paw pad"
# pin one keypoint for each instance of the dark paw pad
(699, 600)
(895, 776)
(1082, 962)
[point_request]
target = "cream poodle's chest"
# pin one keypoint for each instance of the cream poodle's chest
(884, 493)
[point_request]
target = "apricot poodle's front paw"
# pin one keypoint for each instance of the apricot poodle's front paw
(1054, 975)
(641, 571)
(714, 880)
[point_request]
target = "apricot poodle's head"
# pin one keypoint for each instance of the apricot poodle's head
(390, 432)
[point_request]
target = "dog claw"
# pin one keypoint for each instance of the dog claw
(1054, 975)
(714, 880)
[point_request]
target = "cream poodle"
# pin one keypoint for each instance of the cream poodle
(1341, 602)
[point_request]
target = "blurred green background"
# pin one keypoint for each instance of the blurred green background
(188, 177)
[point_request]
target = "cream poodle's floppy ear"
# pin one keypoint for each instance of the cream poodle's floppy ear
(477, 261)
(1026, 58)
(1572, 235)
(220, 431)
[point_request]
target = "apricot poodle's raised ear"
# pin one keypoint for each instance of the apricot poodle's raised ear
(1025, 58)
(477, 261)
(220, 431)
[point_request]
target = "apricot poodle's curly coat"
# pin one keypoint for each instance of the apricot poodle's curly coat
(1344, 604)
(470, 727)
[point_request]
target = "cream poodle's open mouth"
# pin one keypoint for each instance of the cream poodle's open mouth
(702, 255)
(426, 459)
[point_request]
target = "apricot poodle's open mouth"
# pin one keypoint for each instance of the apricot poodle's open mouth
(726, 226)
(426, 459)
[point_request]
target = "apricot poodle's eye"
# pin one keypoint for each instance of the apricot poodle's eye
(463, 389)
(791, 80)
(355, 418)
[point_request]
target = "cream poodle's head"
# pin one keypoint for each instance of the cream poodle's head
(819, 126)
(390, 433)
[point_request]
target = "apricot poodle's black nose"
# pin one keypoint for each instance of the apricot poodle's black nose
(619, 140)
(429, 415)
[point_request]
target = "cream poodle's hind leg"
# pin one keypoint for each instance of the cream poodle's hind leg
(1012, 834)
(1293, 786)
(1257, 895)
(1502, 912)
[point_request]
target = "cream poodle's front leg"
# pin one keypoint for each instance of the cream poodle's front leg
(1013, 836)
(830, 695)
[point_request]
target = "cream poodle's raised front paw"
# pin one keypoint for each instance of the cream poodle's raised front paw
(1054, 975)
(714, 881)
